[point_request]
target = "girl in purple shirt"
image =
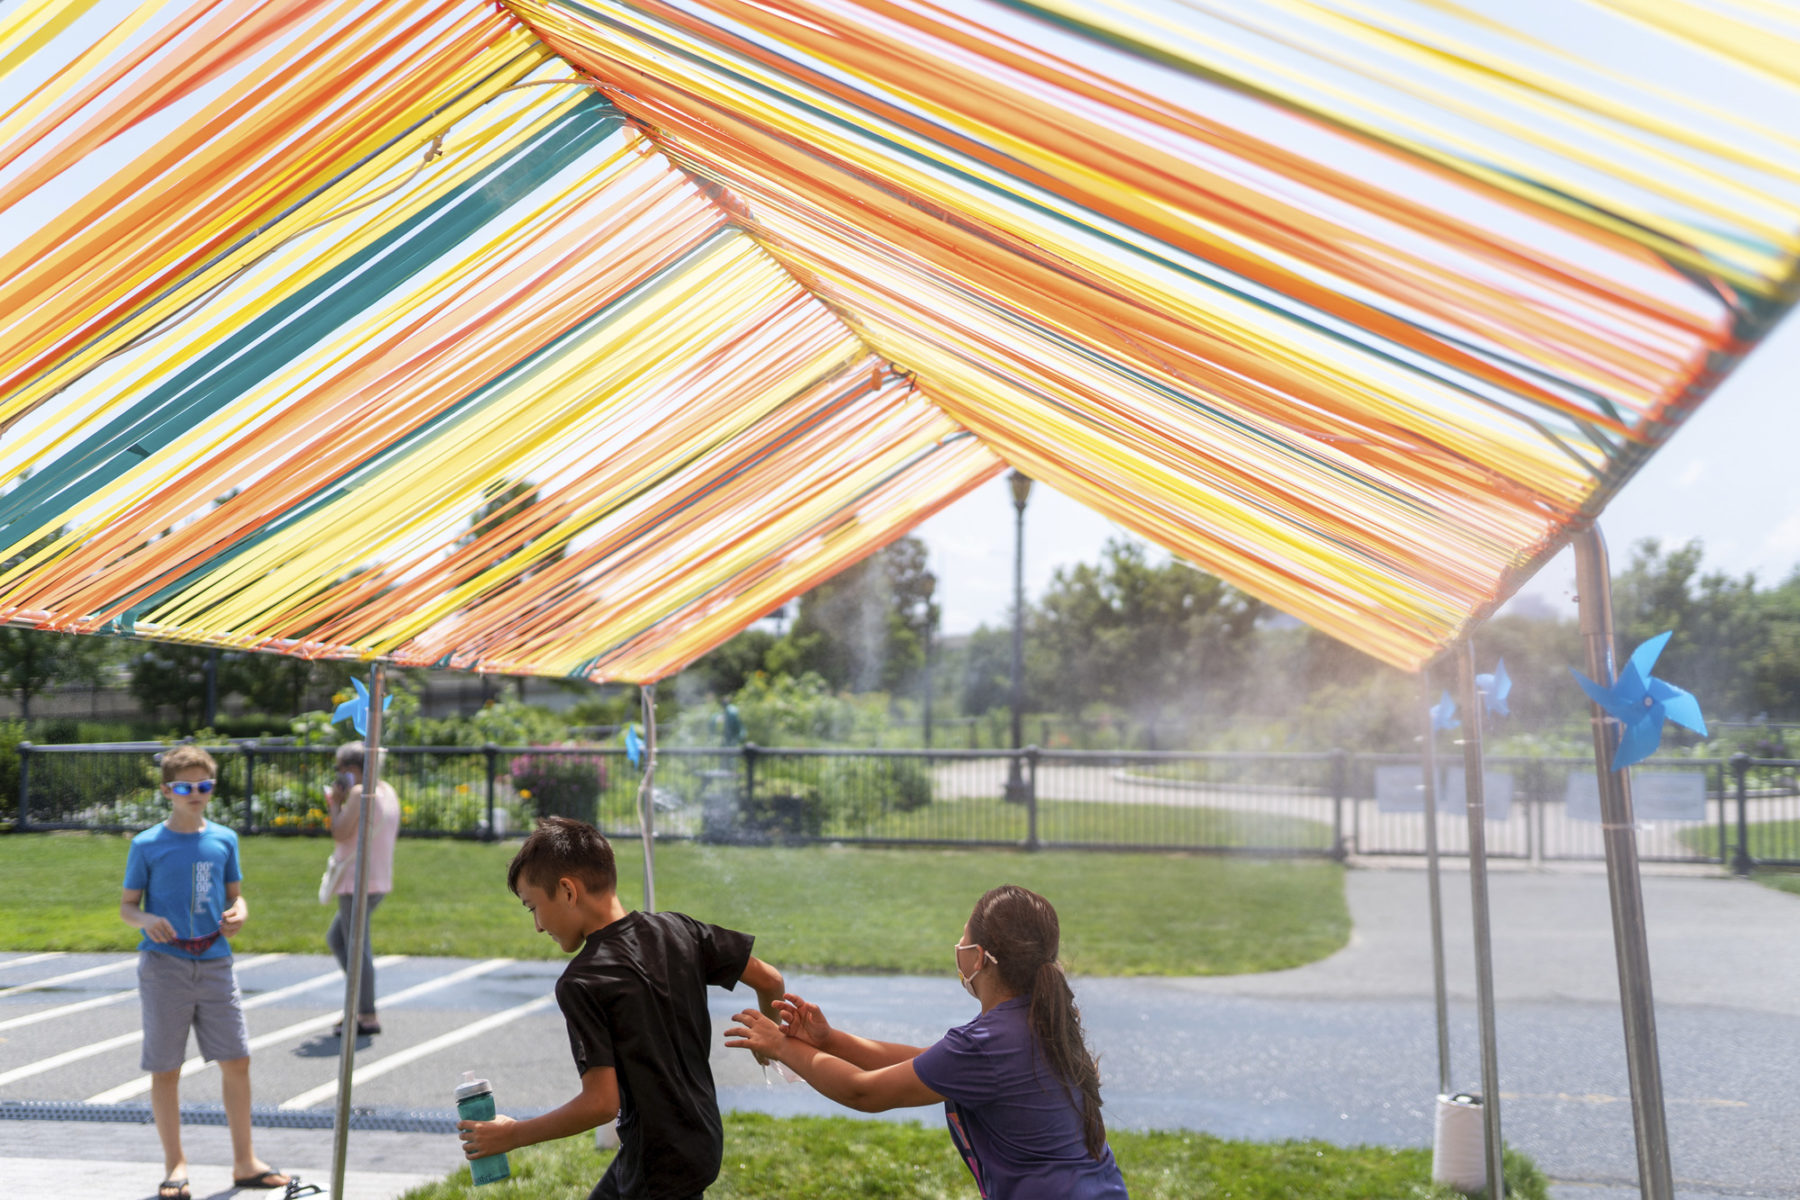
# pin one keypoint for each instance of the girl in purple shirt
(1020, 1090)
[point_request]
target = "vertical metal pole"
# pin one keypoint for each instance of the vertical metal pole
(1015, 778)
(1478, 903)
(647, 794)
(359, 915)
(1740, 767)
(1593, 583)
(1439, 988)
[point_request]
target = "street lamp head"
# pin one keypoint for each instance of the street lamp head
(1021, 488)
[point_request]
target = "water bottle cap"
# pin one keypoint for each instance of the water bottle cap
(471, 1086)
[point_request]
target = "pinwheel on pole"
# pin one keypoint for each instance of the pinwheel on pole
(1443, 715)
(1494, 689)
(1641, 703)
(356, 709)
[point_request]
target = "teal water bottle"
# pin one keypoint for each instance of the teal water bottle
(475, 1102)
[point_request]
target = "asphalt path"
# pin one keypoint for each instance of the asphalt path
(1342, 1049)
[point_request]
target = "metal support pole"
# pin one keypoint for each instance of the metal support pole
(1593, 583)
(359, 915)
(1439, 987)
(1015, 776)
(647, 794)
(1478, 905)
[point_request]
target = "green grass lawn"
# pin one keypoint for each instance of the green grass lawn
(1768, 839)
(812, 908)
(1104, 824)
(840, 1158)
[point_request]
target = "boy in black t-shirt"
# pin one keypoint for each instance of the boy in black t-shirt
(634, 998)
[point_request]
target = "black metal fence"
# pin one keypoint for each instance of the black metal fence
(1742, 811)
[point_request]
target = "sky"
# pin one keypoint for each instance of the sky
(1730, 477)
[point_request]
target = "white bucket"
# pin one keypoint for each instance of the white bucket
(1459, 1144)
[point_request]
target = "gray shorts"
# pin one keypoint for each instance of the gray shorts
(179, 994)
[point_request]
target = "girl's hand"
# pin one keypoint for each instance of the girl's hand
(802, 1021)
(481, 1139)
(755, 1033)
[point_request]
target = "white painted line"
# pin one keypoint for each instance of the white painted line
(43, 1065)
(71, 977)
(81, 1006)
(66, 1010)
(141, 1084)
(196, 1064)
(393, 1062)
(32, 958)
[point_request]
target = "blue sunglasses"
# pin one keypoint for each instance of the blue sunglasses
(187, 789)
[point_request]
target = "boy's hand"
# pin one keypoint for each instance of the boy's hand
(158, 929)
(755, 1033)
(231, 920)
(482, 1139)
(802, 1020)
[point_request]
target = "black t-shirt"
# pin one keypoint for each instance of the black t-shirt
(634, 998)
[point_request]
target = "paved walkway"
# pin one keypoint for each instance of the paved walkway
(1342, 1049)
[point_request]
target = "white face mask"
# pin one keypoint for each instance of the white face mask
(968, 981)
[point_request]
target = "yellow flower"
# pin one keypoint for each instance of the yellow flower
(339, 697)
(315, 814)
(462, 789)
(407, 810)
(524, 793)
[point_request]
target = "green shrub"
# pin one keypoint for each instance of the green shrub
(559, 785)
(784, 804)
(11, 734)
(857, 791)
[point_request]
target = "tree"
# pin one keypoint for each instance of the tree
(1717, 622)
(32, 662)
(1146, 638)
(865, 628)
(725, 669)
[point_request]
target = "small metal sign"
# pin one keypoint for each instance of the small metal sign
(1402, 790)
(1655, 796)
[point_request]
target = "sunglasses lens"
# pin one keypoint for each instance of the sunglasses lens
(204, 787)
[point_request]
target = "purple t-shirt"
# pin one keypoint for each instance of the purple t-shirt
(1009, 1115)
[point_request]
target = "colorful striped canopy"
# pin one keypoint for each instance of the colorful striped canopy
(566, 337)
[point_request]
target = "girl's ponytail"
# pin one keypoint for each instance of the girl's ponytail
(1019, 928)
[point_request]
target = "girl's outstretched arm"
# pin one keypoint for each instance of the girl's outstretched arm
(866, 1090)
(803, 1020)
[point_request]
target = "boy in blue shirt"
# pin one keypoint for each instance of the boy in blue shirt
(181, 890)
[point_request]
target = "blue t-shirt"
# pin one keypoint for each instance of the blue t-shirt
(1009, 1115)
(183, 878)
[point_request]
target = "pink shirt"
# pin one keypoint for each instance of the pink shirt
(384, 831)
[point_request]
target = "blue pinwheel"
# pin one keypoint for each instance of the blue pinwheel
(1494, 689)
(1443, 715)
(1641, 703)
(356, 709)
(634, 746)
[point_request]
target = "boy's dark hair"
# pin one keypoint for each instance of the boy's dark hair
(186, 758)
(564, 848)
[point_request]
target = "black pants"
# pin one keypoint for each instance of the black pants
(608, 1187)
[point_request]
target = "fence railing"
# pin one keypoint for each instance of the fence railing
(1742, 811)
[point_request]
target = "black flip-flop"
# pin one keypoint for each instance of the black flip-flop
(270, 1179)
(174, 1189)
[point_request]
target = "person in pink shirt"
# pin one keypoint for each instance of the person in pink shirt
(343, 800)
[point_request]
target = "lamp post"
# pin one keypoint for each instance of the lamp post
(1015, 779)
